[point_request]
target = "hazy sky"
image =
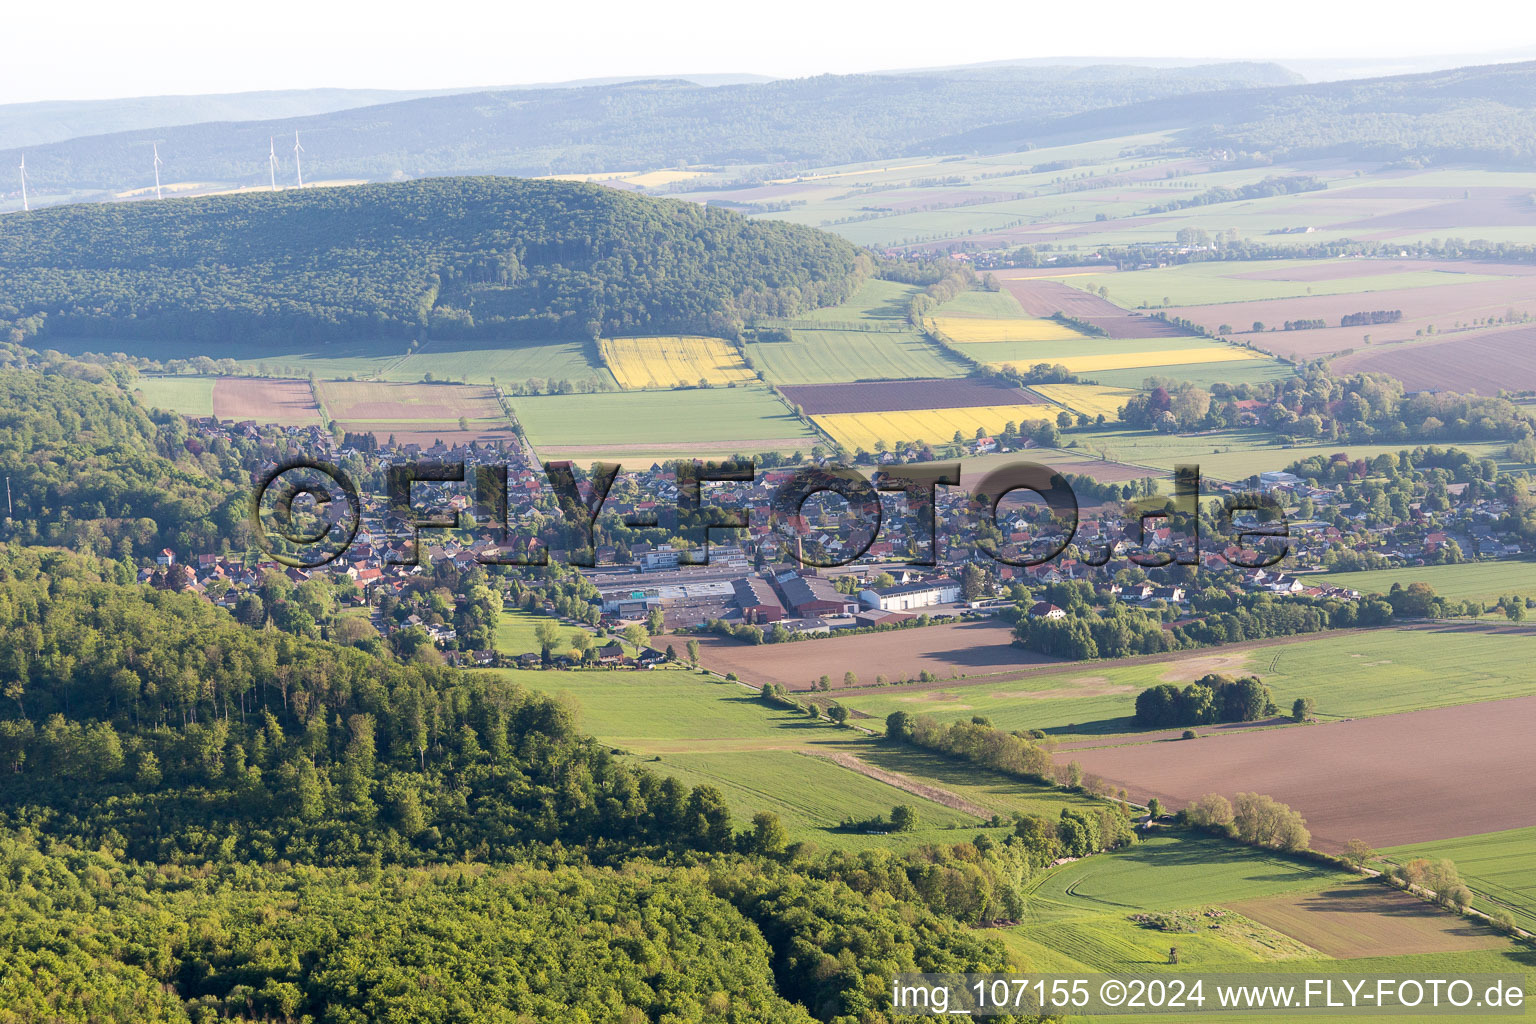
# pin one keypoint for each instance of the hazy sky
(90, 48)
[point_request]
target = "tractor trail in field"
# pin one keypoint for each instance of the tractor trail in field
(905, 784)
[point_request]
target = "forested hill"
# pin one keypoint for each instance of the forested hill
(1481, 115)
(453, 257)
(824, 120)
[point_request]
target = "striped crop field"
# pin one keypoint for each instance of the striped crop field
(970, 330)
(1139, 360)
(855, 430)
(1090, 399)
(672, 361)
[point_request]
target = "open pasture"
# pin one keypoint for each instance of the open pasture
(1499, 868)
(1390, 780)
(972, 648)
(673, 361)
(904, 395)
(189, 396)
(286, 403)
(1467, 581)
(507, 363)
(1365, 919)
(1485, 362)
(748, 419)
(1088, 399)
(935, 426)
(832, 356)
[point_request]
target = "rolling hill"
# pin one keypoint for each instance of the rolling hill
(459, 257)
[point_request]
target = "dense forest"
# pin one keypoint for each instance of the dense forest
(202, 820)
(457, 257)
(794, 122)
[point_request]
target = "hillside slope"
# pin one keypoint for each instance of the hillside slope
(824, 120)
(456, 257)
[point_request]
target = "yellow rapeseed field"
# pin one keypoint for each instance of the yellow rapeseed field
(1092, 399)
(667, 362)
(968, 330)
(855, 430)
(1138, 360)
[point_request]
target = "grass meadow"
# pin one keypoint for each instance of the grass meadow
(747, 418)
(1349, 676)
(1467, 581)
(189, 396)
(1499, 868)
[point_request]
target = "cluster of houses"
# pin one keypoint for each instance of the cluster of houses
(760, 578)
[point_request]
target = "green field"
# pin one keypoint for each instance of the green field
(832, 357)
(1467, 581)
(1200, 284)
(874, 300)
(1000, 304)
(1349, 676)
(336, 360)
(1241, 371)
(507, 364)
(515, 632)
(1233, 454)
(1499, 868)
(190, 396)
(703, 730)
(747, 418)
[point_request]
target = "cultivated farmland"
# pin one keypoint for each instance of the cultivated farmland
(817, 356)
(970, 330)
(1391, 780)
(508, 363)
(1362, 918)
(667, 362)
(1467, 581)
(288, 403)
(190, 396)
(937, 426)
(1089, 399)
(1485, 362)
(951, 649)
(747, 419)
(1499, 868)
(416, 413)
(906, 395)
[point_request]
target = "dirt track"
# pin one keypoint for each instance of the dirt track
(905, 784)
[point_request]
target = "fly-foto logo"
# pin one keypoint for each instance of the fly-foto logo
(337, 518)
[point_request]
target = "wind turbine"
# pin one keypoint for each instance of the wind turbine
(24, 205)
(272, 161)
(157, 170)
(297, 167)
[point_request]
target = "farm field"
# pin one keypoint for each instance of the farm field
(999, 304)
(1467, 581)
(1366, 919)
(683, 423)
(673, 361)
(1391, 780)
(334, 359)
(1088, 399)
(1499, 868)
(190, 396)
(1247, 371)
(874, 300)
(1216, 282)
(830, 356)
(508, 363)
(970, 330)
(1486, 362)
(935, 426)
(1354, 675)
(676, 722)
(1093, 363)
(416, 413)
(971, 648)
(1443, 308)
(283, 402)
(904, 396)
